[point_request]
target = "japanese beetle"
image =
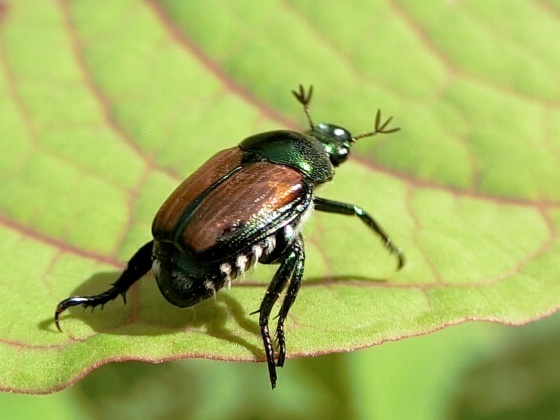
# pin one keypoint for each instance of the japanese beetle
(245, 205)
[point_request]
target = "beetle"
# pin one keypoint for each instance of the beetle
(245, 205)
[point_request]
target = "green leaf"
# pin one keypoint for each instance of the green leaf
(105, 107)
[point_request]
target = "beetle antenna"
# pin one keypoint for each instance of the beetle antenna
(380, 128)
(304, 98)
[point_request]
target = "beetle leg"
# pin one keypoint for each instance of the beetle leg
(289, 299)
(139, 264)
(331, 206)
(283, 274)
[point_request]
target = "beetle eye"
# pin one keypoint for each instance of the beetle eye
(340, 156)
(336, 141)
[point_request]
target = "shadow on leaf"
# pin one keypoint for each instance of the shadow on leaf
(147, 313)
(343, 279)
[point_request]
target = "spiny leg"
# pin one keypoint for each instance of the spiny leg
(289, 299)
(273, 291)
(331, 206)
(139, 264)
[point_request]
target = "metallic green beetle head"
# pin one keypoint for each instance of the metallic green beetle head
(337, 140)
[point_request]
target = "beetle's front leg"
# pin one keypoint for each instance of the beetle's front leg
(139, 264)
(273, 291)
(330, 206)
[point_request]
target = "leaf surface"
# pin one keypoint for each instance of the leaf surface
(104, 109)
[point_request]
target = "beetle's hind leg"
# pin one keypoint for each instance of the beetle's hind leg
(290, 297)
(291, 269)
(139, 264)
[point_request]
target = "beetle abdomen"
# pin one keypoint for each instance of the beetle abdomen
(184, 280)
